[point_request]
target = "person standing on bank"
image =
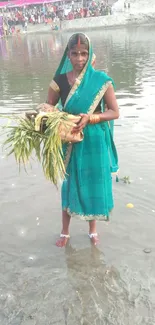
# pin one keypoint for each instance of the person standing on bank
(87, 188)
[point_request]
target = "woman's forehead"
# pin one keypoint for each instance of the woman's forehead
(81, 47)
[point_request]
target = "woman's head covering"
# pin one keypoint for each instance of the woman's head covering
(77, 38)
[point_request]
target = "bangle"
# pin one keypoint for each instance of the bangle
(94, 118)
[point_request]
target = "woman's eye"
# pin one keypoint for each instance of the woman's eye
(74, 54)
(84, 53)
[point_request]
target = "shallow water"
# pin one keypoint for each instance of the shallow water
(113, 284)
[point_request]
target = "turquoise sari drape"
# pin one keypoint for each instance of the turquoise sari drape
(87, 189)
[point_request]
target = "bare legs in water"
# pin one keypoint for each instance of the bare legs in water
(62, 241)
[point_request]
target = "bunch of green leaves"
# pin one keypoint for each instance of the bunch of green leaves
(22, 140)
(52, 153)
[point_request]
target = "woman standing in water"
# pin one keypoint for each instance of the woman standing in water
(87, 189)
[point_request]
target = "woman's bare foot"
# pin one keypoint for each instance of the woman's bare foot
(93, 233)
(94, 238)
(62, 241)
(64, 237)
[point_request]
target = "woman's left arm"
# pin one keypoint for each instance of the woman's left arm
(112, 111)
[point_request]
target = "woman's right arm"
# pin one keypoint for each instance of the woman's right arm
(53, 96)
(53, 93)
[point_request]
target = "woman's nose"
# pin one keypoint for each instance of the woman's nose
(79, 57)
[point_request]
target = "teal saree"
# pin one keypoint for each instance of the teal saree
(87, 188)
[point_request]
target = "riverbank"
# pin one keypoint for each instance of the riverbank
(115, 20)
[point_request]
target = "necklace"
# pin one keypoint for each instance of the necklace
(71, 79)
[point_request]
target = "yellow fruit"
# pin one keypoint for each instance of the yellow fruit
(130, 205)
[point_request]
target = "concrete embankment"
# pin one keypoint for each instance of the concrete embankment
(117, 19)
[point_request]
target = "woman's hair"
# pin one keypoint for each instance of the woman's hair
(76, 39)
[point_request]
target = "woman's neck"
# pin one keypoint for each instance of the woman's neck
(72, 76)
(75, 73)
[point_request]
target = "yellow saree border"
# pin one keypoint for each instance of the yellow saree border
(76, 85)
(68, 154)
(92, 107)
(91, 110)
(99, 217)
(78, 80)
(71, 93)
(98, 97)
(54, 86)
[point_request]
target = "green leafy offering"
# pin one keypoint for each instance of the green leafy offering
(126, 179)
(23, 140)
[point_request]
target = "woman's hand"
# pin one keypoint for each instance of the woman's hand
(81, 125)
(44, 107)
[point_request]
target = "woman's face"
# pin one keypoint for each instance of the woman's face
(78, 56)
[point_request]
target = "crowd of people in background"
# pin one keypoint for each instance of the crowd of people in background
(16, 19)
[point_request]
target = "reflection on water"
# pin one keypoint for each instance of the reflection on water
(41, 284)
(27, 65)
(28, 62)
(102, 295)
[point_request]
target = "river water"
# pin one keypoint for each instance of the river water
(113, 284)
